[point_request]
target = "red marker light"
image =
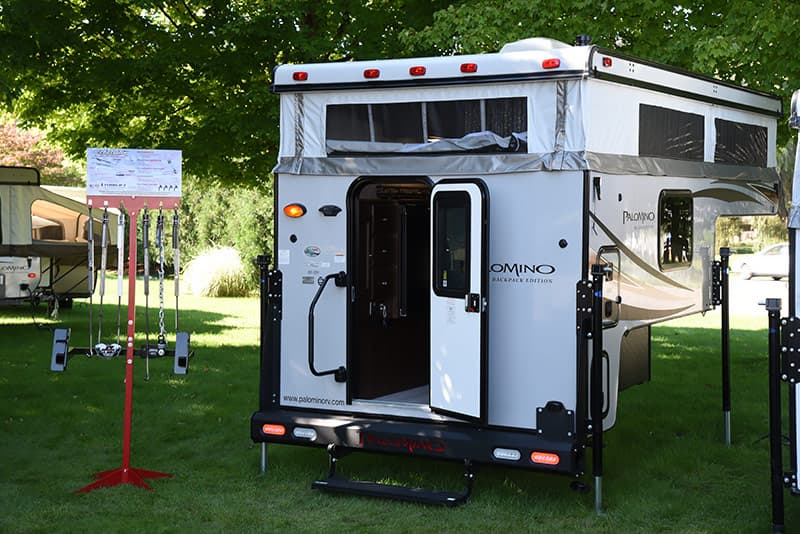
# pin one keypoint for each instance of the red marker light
(31, 275)
(417, 71)
(372, 73)
(300, 76)
(469, 67)
(607, 62)
(552, 63)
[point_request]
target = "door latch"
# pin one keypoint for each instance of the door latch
(472, 303)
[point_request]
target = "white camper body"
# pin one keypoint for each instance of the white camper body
(427, 299)
(43, 245)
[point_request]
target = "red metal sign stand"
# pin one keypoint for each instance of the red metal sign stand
(127, 474)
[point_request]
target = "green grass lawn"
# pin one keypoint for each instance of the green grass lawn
(666, 468)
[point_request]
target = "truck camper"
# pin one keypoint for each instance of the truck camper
(470, 250)
(43, 239)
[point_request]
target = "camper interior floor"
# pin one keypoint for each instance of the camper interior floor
(418, 395)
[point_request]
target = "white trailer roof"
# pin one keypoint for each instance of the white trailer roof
(522, 60)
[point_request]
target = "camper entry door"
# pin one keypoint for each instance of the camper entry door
(459, 264)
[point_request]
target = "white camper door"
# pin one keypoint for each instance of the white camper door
(459, 267)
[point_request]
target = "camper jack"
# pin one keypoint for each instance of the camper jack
(501, 231)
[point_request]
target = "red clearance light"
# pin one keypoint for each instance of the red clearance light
(417, 71)
(372, 73)
(469, 67)
(607, 62)
(300, 76)
(552, 63)
(273, 430)
(547, 458)
(294, 210)
(31, 275)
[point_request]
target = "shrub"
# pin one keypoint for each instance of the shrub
(218, 272)
(214, 215)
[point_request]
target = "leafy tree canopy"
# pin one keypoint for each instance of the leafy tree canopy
(188, 74)
(747, 42)
(195, 74)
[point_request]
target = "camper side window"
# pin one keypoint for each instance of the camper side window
(467, 126)
(451, 244)
(739, 143)
(668, 133)
(48, 220)
(675, 220)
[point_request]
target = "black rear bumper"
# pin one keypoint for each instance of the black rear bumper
(419, 438)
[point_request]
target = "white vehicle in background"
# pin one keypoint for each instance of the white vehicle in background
(770, 261)
(43, 239)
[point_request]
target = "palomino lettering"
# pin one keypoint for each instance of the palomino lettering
(518, 269)
(638, 216)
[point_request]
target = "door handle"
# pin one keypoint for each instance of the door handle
(472, 303)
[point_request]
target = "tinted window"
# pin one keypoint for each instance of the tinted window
(739, 143)
(488, 125)
(453, 119)
(675, 219)
(398, 123)
(347, 122)
(451, 243)
(670, 134)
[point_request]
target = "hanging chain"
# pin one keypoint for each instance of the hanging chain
(160, 245)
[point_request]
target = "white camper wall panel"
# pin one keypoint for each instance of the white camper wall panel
(532, 342)
(611, 115)
(320, 249)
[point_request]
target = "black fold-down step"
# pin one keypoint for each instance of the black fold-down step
(401, 493)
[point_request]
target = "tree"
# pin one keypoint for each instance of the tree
(188, 74)
(748, 42)
(28, 148)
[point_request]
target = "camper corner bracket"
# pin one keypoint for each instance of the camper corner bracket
(554, 421)
(790, 350)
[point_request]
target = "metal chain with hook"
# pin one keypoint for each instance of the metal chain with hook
(162, 333)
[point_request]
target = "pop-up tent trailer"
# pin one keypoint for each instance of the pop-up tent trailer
(470, 250)
(43, 238)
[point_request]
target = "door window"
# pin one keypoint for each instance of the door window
(451, 243)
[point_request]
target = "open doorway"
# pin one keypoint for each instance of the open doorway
(390, 308)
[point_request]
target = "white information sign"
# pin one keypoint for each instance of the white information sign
(123, 172)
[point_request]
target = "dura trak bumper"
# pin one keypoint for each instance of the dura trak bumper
(419, 438)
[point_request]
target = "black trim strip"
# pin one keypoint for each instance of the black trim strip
(383, 84)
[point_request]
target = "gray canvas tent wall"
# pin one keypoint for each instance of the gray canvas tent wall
(47, 224)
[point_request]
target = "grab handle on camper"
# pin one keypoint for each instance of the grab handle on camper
(339, 374)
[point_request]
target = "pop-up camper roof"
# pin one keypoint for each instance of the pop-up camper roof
(595, 109)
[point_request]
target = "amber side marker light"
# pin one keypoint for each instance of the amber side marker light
(273, 430)
(294, 210)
